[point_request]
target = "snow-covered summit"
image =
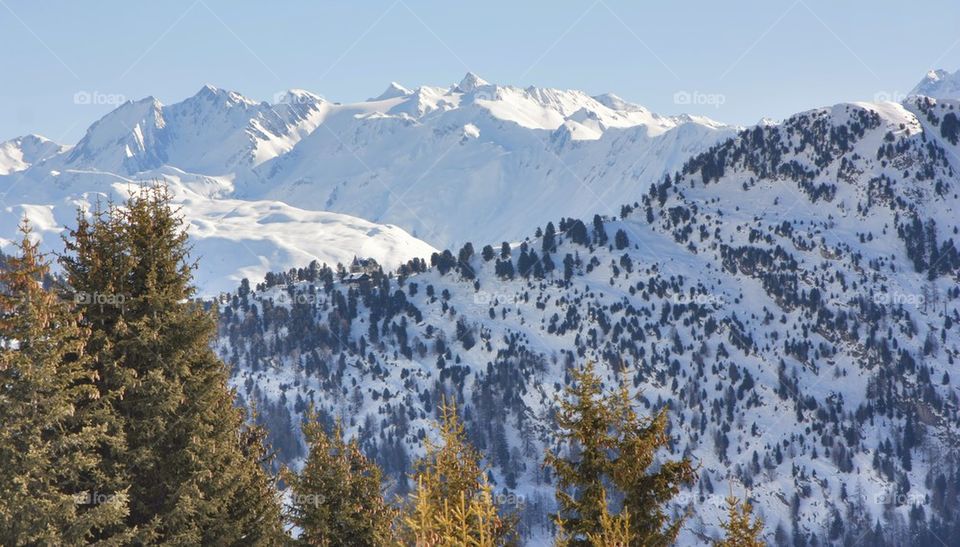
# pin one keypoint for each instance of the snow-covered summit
(393, 91)
(20, 153)
(939, 84)
(471, 82)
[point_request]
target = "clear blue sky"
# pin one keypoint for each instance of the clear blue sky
(766, 58)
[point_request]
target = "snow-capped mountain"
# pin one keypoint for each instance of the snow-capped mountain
(939, 84)
(479, 160)
(215, 132)
(20, 153)
(791, 294)
(472, 160)
(232, 238)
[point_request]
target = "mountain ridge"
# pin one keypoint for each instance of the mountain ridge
(430, 161)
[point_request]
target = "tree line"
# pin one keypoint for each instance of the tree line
(119, 427)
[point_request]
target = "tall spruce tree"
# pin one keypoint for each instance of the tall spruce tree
(610, 448)
(193, 466)
(336, 499)
(452, 503)
(51, 427)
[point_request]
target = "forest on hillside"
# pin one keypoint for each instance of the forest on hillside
(120, 427)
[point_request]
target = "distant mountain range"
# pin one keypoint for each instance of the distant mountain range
(470, 161)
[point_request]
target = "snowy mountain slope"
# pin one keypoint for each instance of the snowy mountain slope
(215, 132)
(20, 153)
(443, 163)
(238, 239)
(792, 296)
(479, 160)
(232, 238)
(939, 84)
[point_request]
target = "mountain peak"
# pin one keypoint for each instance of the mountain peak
(20, 153)
(470, 82)
(939, 84)
(393, 91)
(213, 93)
(32, 138)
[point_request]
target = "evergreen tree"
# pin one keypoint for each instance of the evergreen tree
(51, 428)
(452, 503)
(549, 244)
(194, 468)
(611, 446)
(487, 253)
(742, 529)
(336, 498)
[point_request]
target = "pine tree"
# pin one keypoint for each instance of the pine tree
(336, 499)
(195, 469)
(50, 432)
(742, 529)
(612, 447)
(452, 503)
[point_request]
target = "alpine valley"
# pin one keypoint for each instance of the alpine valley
(789, 290)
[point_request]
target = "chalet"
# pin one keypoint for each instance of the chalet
(356, 277)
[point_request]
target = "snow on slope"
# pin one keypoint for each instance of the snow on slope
(215, 132)
(232, 238)
(238, 239)
(20, 153)
(792, 296)
(479, 160)
(939, 84)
